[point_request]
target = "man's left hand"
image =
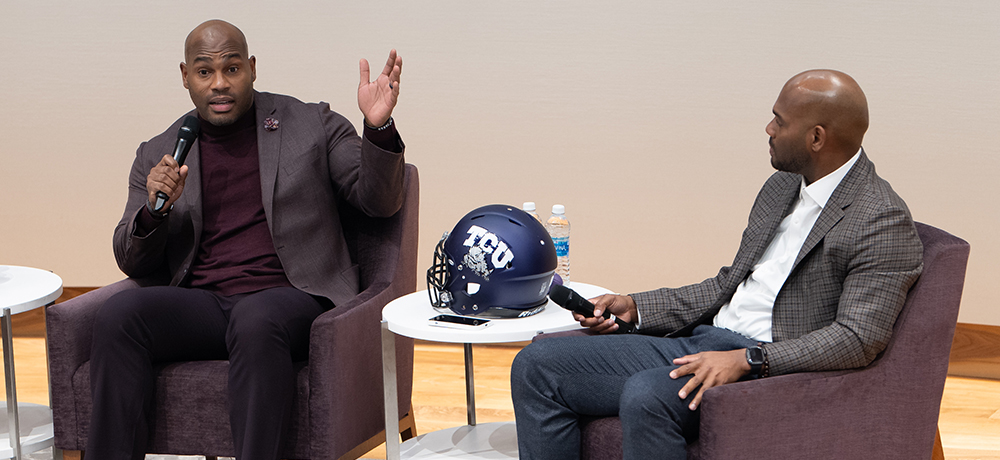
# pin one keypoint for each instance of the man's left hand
(710, 369)
(376, 99)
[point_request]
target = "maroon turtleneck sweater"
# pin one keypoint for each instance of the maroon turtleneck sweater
(237, 253)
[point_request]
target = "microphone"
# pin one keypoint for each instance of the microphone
(185, 138)
(572, 301)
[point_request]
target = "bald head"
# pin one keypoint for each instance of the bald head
(831, 99)
(219, 72)
(820, 118)
(213, 34)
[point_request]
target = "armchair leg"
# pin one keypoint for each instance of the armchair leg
(71, 454)
(407, 430)
(408, 426)
(938, 448)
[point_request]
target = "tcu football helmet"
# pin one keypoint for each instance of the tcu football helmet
(498, 262)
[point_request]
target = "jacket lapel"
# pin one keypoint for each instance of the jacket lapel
(779, 204)
(776, 203)
(842, 197)
(268, 151)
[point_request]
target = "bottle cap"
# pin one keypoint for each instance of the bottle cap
(558, 209)
(528, 206)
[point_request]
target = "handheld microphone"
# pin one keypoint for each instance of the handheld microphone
(185, 138)
(572, 301)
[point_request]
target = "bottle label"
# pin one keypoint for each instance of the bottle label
(562, 246)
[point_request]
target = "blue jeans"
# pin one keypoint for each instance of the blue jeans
(556, 381)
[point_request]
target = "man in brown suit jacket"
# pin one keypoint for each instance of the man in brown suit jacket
(825, 263)
(248, 248)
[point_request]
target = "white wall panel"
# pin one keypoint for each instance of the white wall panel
(643, 118)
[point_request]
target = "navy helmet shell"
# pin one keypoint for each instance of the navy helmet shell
(497, 262)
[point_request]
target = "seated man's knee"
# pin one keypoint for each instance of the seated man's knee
(120, 313)
(647, 393)
(527, 370)
(253, 326)
(279, 318)
(529, 359)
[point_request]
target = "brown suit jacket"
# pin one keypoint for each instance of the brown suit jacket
(837, 307)
(312, 164)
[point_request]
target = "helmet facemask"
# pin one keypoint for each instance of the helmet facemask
(437, 277)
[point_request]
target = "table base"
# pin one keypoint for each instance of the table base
(481, 442)
(36, 429)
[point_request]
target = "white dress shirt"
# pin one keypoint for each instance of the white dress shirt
(749, 311)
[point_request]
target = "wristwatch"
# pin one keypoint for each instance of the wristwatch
(755, 358)
(158, 215)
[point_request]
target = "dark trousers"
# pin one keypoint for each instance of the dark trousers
(261, 334)
(556, 381)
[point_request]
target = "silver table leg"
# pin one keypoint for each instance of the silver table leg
(470, 387)
(13, 424)
(390, 393)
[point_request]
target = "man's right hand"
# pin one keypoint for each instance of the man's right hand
(167, 177)
(621, 306)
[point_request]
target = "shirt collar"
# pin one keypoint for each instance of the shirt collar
(821, 190)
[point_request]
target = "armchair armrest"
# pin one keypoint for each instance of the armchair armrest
(69, 331)
(343, 345)
(69, 325)
(844, 413)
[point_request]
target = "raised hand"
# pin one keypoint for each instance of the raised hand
(376, 99)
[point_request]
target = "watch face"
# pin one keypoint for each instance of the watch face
(755, 356)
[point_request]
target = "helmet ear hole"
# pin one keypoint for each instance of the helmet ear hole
(472, 288)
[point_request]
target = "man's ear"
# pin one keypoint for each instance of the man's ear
(253, 68)
(817, 138)
(184, 75)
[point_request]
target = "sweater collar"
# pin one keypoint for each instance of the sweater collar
(245, 121)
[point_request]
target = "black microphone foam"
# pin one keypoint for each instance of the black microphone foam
(185, 139)
(572, 301)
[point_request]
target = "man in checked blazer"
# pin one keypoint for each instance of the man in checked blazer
(822, 271)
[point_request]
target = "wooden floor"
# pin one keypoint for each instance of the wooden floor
(969, 422)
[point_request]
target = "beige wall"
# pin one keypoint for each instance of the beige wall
(646, 119)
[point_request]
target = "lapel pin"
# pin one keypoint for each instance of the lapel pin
(270, 124)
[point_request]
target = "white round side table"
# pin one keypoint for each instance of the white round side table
(28, 426)
(408, 316)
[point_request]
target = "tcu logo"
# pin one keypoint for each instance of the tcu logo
(482, 244)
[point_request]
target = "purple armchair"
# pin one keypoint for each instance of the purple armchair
(887, 410)
(338, 408)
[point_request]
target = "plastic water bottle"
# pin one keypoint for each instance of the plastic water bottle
(558, 227)
(529, 207)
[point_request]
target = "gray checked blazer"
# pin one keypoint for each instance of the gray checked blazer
(837, 307)
(311, 164)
